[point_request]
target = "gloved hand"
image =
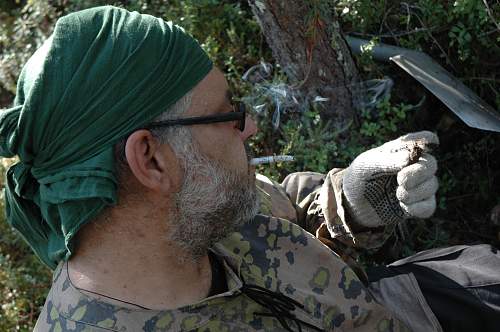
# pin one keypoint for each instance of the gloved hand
(393, 182)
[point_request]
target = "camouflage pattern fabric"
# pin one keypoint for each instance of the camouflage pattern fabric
(319, 200)
(269, 252)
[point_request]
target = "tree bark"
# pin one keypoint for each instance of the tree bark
(307, 42)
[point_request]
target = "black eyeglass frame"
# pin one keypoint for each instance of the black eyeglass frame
(239, 116)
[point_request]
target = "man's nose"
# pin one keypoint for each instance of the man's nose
(250, 129)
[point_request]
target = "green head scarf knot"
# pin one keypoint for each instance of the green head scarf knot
(102, 74)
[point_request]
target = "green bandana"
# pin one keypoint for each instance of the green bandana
(102, 74)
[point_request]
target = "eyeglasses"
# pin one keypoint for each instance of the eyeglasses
(238, 116)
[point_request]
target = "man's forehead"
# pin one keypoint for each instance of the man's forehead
(210, 94)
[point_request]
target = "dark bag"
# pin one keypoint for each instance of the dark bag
(460, 284)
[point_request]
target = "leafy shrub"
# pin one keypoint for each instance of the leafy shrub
(24, 281)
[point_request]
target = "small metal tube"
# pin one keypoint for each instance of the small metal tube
(270, 159)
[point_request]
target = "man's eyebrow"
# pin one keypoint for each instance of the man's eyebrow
(227, 101)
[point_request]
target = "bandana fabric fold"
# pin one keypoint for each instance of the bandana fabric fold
(102, 74)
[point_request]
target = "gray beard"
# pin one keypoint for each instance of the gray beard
(212, 203)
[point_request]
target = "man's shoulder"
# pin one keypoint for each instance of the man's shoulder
(51, 319)
(276, 253)
(272, 234)
(68, 308)
(64, 308)
(282, 257)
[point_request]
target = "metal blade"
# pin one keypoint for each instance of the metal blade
(461, 100)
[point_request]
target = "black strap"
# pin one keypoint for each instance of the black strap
(279, 305)
(219, 284)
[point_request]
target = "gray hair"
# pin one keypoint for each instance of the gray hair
(179, 137)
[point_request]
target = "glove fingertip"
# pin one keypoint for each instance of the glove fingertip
(417, 173)
(401, 194)
(429, 162)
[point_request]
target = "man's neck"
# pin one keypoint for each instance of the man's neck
(136, 264)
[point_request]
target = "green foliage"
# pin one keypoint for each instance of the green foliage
(448, 185)
(386, 122)
(22, 31)
(462, 35)
(310, 141)
(362, 15)
(24, 281)
(317, 147)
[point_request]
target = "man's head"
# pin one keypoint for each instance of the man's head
(102, 74)
(200, 172)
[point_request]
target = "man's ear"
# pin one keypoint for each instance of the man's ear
(154, 165)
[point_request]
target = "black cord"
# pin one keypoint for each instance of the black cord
(279, 305)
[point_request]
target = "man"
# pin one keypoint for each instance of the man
(134, 185)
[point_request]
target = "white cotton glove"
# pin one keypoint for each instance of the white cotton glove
(393, 182)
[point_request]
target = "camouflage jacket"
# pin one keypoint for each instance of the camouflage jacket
(270, 252)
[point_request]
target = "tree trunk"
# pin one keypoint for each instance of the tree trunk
(306, 41)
